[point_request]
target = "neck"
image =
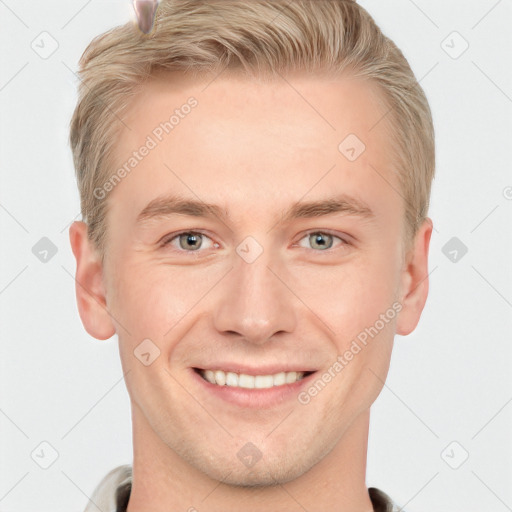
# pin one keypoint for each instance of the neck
(164, 482)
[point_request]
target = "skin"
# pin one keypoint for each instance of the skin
(253, 148)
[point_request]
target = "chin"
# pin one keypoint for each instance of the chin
(264, 473)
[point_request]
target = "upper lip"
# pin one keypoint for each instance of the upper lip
(260, 370)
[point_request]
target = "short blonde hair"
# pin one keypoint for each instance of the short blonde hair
(258, 38)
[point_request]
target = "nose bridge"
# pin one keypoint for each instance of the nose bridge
(254, 302)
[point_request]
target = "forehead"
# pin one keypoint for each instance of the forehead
(251, 142)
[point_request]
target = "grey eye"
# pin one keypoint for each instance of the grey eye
(190, 241)
(320, 240)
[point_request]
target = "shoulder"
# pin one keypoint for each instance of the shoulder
(104, 496)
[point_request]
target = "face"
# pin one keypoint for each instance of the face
(295, 265)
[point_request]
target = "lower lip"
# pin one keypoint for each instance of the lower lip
(265, 398)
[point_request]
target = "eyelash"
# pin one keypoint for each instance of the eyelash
(167, 240)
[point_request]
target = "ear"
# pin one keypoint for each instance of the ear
(414, 282)
(90, 289)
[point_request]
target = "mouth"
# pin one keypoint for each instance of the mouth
(246, 381)
(268, 388)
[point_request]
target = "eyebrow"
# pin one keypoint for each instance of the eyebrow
(168, 205)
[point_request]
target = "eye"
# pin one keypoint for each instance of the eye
(322, 240)
(192, 241)
(187, 241)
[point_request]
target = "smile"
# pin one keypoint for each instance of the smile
(242, 380)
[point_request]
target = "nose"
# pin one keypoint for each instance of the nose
(255, 302)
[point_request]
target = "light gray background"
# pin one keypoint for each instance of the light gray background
(449, 380)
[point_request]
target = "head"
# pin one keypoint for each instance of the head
(296, 145)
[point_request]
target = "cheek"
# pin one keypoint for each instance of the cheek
(141, 300)
(350, 296)
(150, 298)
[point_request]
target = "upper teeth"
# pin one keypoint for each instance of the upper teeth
(250, 381)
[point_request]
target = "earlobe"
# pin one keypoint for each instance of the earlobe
(89, 285)
(414, 286)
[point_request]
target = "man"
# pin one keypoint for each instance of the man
(255, 180)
